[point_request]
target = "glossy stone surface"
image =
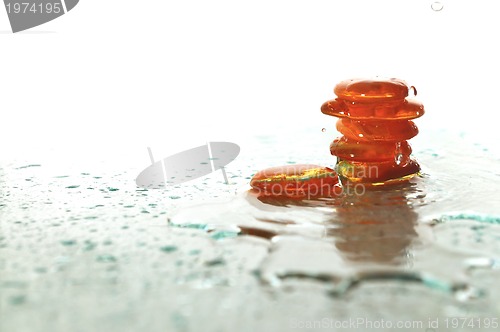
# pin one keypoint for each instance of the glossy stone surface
(377, 172)
(296, 181)
(370, 131)
(398, 110)
(349, 149)
(369, 90)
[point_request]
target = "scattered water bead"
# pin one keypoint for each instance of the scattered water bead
(413, 90)
(377, 172)
(400, 156)
(392, 110)
(296, 181)
(349, 149)
(370, 131)
(437, 6)
(369, 90)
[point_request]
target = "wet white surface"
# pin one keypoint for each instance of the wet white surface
(82, 248)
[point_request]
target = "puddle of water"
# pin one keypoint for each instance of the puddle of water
(404, 233)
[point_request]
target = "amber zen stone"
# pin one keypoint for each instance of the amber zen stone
(349, 149)
(377, 172)
(375, 119)
(369, 90)
(296, 181)
(369, 131)
(398, 110)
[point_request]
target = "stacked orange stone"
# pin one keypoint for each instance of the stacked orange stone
(375, 119)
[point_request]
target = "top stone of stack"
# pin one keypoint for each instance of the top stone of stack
(372, 90)
(373, 99)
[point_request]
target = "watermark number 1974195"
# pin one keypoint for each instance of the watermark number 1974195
(26, 14)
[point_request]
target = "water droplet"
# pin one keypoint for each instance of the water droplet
(215, 262)
(467, 293)
(398, 156)
(223, 235)
(413, 90)
(89, 245)
(106, 258)
(323, 129)
(490, 219)
(195, 252)
(68, 242)
(168, 249)
(437, 6)
(40, 270)
(28, 166)
(17, 299)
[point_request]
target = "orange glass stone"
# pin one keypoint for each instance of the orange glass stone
(369, 131)
(398, 110)
(296, 181)
(349, 149)
(377, 172)
(369, 90)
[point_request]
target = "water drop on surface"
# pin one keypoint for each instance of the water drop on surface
(68, 242)
(468, 293)
(323, 129)
(398, 157)
(437, 6)
(168, 248)
(413, 90)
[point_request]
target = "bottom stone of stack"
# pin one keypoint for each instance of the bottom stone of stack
(377, 173)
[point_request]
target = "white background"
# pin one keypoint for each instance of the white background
(175, 74)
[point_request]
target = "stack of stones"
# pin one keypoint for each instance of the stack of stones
(375, 119)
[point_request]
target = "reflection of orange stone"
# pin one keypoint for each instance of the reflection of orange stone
(375, 121)
(296, 181)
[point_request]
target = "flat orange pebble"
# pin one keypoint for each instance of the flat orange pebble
(370, 131)
(296, 181)
(370, 90)
(349, 149)
(398, 110)
(381, 172)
